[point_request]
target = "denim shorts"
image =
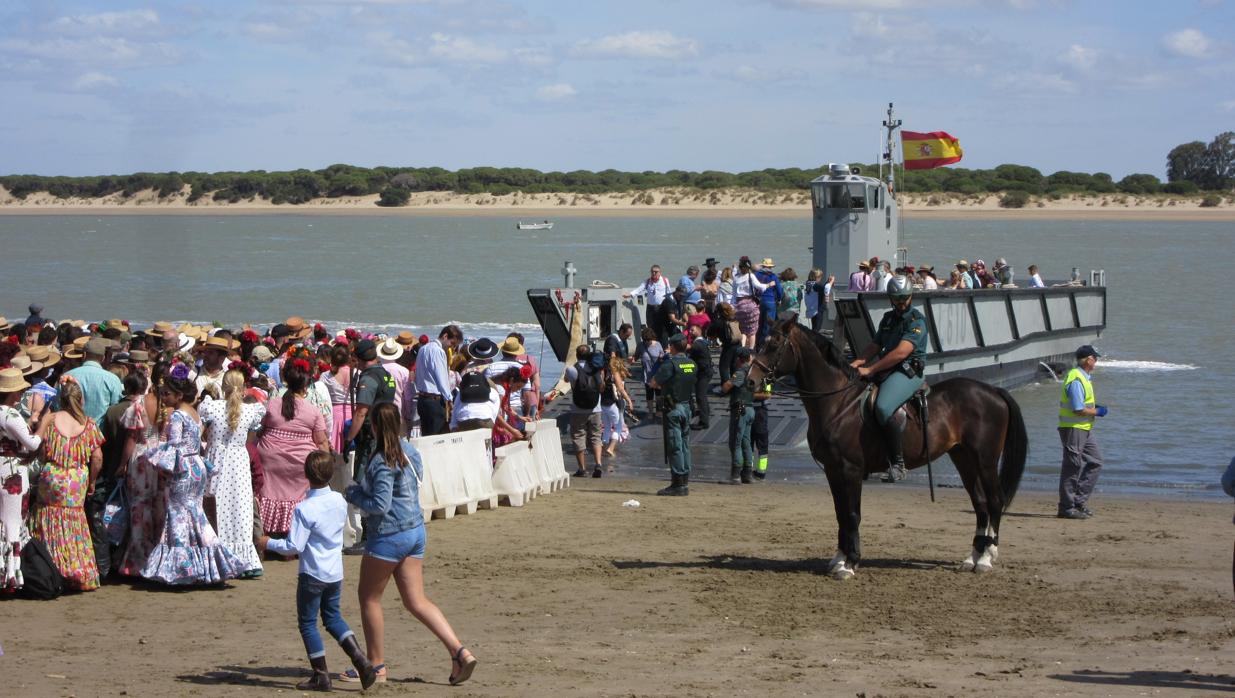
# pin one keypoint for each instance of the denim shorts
(393, 547)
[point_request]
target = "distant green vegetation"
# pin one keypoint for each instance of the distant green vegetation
(1192, 167)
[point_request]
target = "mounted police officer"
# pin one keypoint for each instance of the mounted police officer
(676, 378)
(900, 345)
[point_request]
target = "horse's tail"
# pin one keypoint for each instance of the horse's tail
(1015, 450)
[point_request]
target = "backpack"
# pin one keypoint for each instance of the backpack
(43, 580)
(585, 391)
(474, 387)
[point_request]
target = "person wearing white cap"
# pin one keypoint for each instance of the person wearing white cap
(388, 353)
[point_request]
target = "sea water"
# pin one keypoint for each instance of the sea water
(1165, 371)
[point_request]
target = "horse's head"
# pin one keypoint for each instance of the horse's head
(780, 356)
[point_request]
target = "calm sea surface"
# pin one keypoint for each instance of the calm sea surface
(1167, 374)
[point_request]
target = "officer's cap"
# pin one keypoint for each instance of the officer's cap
(679, 337)
(1086, 351)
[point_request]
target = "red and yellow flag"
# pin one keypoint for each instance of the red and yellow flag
(926, 150)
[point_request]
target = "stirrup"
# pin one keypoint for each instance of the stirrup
(896, 472)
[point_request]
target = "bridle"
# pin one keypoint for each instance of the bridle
(773, 371)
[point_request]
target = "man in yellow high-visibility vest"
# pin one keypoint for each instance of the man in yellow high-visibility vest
(1081, 458)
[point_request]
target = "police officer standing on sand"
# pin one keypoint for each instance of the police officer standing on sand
(900, 343)
(1081, 458)
(676, 379)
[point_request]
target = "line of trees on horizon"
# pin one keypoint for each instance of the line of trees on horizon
(1191, 168)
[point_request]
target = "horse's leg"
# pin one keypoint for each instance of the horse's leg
(966, 463)
(841, 504)
(846, 486)
(987, 545)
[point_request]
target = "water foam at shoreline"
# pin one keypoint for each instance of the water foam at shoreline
(1143, 366)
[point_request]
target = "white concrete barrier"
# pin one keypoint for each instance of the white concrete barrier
(547, 455)
(452, 463)
(515, 477)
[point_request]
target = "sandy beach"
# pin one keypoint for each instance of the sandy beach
(721, 593)
(720, 203)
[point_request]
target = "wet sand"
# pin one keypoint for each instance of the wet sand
(719, 593)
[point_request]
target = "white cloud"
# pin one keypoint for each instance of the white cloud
(1035, 82)
(1189, 43)
(878, 26)
(110, 23)
(100, 50)
(847, 4)
(1228, 105)
(1080, 57)
(460, 49)
(639, 44)
(557, 92)
(94, 80)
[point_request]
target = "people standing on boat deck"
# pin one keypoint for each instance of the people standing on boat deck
(860, 280)
(1035, 280)
(700, 352)
(741, 417)
(748, 288)
(882, 275)
(615, 343)
(1082, 460)
(727, 330)
(650, 352)
(1004, 273)
(676, 377)
(690, 279)
(926, 276)
(587, 379)
(433, 381)
(769, 300)
(900, 345)
(791, 294)
(724, 287)
(709, 289)
(673, 312)
(965, 279)
(983, 277)
(655, 288)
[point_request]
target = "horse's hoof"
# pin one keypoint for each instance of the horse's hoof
(837, 560)
(983, 567)
(994, 551)
(967, 564)
(842, 572)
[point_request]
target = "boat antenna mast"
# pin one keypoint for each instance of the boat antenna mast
(890, 126)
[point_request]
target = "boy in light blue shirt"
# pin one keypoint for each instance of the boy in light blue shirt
(316, 536)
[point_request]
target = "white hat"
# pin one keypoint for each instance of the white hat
(187, 342)
(389, 350)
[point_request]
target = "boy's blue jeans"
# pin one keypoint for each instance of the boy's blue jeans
(314, 596)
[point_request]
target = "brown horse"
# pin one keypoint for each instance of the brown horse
(974, 423)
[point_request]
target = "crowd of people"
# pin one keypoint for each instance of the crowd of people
(874, 274)
(191, 455)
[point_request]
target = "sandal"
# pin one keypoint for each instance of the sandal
(353, 676)
(466, 667)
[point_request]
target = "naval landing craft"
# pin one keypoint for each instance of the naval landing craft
(1007, 336)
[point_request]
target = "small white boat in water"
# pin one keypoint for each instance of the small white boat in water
(547, 225)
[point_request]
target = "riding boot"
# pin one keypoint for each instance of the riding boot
(734, 474)
(685, 485)
(746, 475)
(320, 681)
(892, 442)
(364, 668)
(675, 484)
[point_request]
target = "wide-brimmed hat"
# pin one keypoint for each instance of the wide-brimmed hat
(483, 348)
(406, 338)
(864, 264)
(767, 263)
(926, 269)
(186, 342)
(962, 264)
(12, 381)
(158, 328)
(262, 353)
(389, 350)
(23, 363)
(96, 346)
(115, 324)
(44, 355)
(298, 327)
(711, 262)
(512, 346)
(223, 344)
(139, 356)
(4, 323)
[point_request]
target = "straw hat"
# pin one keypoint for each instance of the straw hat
(767, 263)
(159, 328)
(139, 356)
(12, 381)
(389, 350)
(297, 326)
(512, 346)
(221, 343)
(406, 338)
(962, 264)
(44, 355)
(4, 323)
(864, 264)
(23, 363)
(115, 324)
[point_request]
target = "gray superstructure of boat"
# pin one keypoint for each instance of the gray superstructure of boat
(1006, 336)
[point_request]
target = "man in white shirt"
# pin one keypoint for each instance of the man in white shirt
(655, 288)
(1035, 281)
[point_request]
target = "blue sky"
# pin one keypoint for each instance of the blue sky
(104, 87)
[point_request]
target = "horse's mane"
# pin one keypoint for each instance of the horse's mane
(829, 351)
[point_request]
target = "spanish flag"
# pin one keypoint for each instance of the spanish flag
(926, 150)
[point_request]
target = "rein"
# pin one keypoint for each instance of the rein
(792, 389)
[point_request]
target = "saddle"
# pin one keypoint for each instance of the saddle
(916, 404)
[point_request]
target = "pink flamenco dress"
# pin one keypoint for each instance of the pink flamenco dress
(282, 448)
(188, 551)
(146, 503)
(60, 517)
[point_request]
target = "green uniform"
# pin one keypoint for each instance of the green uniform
(899, 386)
(676, 378)
(741, 417)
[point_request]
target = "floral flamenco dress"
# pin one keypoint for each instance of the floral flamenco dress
(188, 551)
(146, 501)
(60, 517)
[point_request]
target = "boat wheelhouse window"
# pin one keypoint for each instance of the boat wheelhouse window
(837, 195)
(872, 196)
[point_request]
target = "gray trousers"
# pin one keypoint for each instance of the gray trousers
(1079, 473)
